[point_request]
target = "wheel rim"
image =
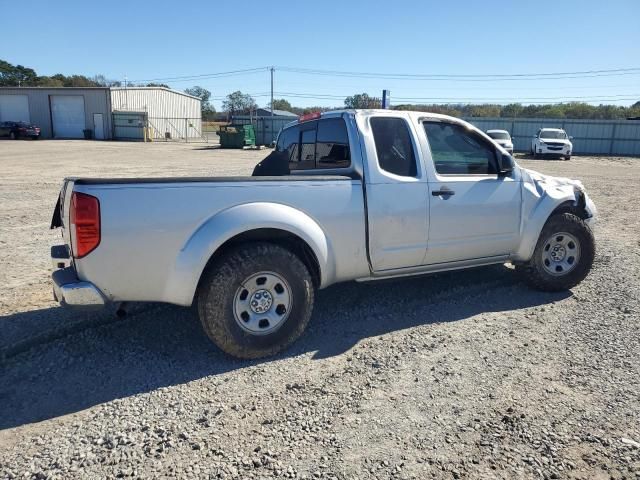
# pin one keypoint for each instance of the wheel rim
(262, 303)
(560, 254)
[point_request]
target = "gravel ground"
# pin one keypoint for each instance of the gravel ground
(460, 375)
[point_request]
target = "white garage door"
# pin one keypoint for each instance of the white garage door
(14, 108)
(67, 113)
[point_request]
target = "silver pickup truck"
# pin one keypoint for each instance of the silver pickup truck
(371, 194)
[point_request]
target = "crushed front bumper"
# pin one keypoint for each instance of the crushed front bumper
(68, 289)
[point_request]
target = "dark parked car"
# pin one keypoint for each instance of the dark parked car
(15, 130)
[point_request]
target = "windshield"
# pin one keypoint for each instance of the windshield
(557, 134)
(499, 135)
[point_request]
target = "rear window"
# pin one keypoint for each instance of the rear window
(288, 142)
(321, 144)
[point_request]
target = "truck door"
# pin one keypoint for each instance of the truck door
(396, 190)
(474, 213)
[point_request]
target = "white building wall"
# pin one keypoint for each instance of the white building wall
(167, 110)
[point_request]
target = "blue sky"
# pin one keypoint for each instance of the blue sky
(157, 39)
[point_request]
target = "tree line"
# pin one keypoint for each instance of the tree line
(513, 110)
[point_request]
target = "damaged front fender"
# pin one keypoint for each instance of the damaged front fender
(543, 195)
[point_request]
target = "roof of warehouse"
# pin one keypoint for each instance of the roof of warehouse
(157, 88)
(102, 88)
(282, 113)
(54, 88)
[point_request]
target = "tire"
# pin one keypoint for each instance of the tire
(34, 137)
(230, 320)
(567, 229)
(12, 135)
(567, 157)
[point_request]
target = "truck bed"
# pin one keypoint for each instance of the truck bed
(158, 232)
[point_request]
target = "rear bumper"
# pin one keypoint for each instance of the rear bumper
(68, 289)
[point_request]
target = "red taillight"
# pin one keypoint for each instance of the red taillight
(85, 221)
(309, 116)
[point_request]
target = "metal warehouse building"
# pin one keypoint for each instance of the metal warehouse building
(60, 112)
(118, 113)
(167, 114)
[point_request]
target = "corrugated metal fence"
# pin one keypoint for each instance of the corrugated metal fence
(266, 128)
(607, 137)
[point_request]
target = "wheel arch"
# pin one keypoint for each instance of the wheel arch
(251, 222)
(560, 200)
(284, 238)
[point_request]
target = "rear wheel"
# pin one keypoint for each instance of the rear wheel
(256, 300)
(563, 255)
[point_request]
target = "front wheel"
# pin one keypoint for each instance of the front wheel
(563, 255)
(567, 157)
(256, 300)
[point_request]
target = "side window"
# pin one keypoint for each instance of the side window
(332, 144)
(318, 144)
(394, 146)
(288, 142)
(458, 151)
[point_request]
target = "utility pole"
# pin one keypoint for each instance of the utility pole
(272, 134)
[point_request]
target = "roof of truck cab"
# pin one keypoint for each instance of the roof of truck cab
(378, 111)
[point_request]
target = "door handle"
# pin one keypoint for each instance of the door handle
(445, 192)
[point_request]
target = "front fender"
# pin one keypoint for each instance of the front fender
(537, 206)
(192, 258)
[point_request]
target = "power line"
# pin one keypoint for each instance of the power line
(467, 77)
(186, 78)
(406, 76)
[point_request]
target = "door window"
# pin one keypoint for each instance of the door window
(458, 151)
(394, 147)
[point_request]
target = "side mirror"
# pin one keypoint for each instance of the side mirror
(570, 138)
(505, 164)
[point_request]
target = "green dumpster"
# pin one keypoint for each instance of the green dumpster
(237, 136)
